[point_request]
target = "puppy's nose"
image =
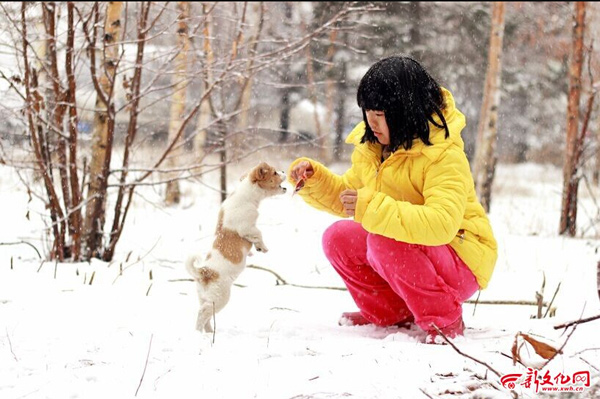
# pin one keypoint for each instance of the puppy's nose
(284, 189)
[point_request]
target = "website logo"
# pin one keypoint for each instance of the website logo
(535, 381)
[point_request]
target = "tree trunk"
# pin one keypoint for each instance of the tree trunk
(58, 108)
(173, 193)
(568, 218)
(284, 115)
(598, 278)
(204, 114)
(104, 124)
(34, 104)
(485, 160)
(48, 86)
(416, 40)
(221, 131)
(75, 216)
(125, 194)
(243, 120)
(327, 148)
(596, 173)
(201, 141)
(246, 83)
(57, 143)
(313, 99)
(341, 113)
(42, 66)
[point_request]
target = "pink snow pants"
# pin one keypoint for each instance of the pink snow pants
(391, 280)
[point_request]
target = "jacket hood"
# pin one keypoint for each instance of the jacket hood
(454, 119)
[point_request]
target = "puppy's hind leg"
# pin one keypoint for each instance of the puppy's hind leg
(204, 315)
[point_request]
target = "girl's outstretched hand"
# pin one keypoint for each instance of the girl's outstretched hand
(349, 198)
(302, 171)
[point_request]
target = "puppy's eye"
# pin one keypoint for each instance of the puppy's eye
(274, 172)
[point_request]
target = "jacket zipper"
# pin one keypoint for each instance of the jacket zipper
(374, 161)
(379, 167)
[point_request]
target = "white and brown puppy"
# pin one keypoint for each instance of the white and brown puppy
(235, 234)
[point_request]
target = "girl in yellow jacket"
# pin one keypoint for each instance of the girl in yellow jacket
(420, 243)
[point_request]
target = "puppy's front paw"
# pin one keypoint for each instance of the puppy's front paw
(260, 247)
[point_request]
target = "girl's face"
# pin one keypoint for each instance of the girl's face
(379, 126)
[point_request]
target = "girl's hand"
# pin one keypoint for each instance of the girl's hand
(349, 198)
(302, 171)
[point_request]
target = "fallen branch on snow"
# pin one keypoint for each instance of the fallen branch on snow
(282, 281)
(10, 346)
(505, 302)
(574, 324)
(22, 242)
(513, 393)
(464, 354)
(425, 393)
(145, 365)
(580, 321)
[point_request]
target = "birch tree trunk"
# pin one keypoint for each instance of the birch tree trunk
(125, 193)
(486, 158)
(568, 218)
(173, 192)
(104, 124)
(45, 84)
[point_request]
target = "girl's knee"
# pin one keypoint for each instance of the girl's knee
(337, 231)
(340, 234)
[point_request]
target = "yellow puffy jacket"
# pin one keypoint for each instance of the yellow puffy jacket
(424, 195)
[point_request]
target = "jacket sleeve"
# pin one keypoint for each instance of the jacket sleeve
(437, 221)
(323, 188)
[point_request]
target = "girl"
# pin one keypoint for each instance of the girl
(420, 243)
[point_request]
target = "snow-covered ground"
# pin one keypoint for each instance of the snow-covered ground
(129, 331)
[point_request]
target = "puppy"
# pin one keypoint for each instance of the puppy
(235, 234)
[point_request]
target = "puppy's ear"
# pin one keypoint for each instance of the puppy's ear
(258, 173)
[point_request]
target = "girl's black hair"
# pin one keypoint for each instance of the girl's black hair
(401, 88)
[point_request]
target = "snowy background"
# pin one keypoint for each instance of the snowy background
(125, 329)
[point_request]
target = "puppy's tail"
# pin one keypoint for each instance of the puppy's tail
(190, 265)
